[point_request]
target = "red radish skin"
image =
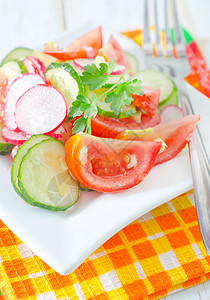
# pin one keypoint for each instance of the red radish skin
(40, 110)
(58, 134)
(13, 137)
(81, 63)
(19, 86)
(14, 151)
(119, 70)
(34, 65)
(171, 113)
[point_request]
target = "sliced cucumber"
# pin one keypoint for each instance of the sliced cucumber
(22, 150)
(15, 66)
(43, 177)
(133, 62)
(104, 109)
(84, 188)
(64, 78)
(5, 148)
(172, 99)
(18, 53)
(156, 79)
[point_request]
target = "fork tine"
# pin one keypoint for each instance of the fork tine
(177, 34)
(146, 35)
(179, 43)
(175, 30)
(162, 30)
(170, 15)
(152, 24)
(156, 25)
(161, 12)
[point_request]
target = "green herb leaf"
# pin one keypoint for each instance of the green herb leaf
(80, 124)
(83, 104)
(121, 95)
(107, 68)
(96, 77)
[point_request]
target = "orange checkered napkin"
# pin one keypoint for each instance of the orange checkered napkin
(159, 253)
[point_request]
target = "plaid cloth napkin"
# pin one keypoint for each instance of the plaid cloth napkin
(158, 254)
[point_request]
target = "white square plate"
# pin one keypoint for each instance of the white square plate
(65, 239)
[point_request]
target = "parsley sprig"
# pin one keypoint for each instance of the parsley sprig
(86, 108)
(95, 77)
(119, 95)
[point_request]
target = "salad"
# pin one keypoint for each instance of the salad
(84, 118)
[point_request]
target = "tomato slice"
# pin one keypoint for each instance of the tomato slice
(92, 39)
(109, 165)
(86, 46)
(112, 50)
(111, 127)
(175, 134)
(148, 102)
(67, 55)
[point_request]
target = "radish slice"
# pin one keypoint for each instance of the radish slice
(19, 86)
(171, 113)
(57, 134)
(80, 63)
(34, 65)
(14, 151)
(13, 137)
(119, 70)
(41, 109)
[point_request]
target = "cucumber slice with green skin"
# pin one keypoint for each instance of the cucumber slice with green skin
(156, 79)
(104, 109)
(16, 66)
(22, 150)
(84, 188)
(5, 148)
(43, 177)
(133, 62)
(172, 99)
(65, 79)
(17, 53)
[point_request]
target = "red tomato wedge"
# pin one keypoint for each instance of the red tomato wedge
(109, 165)
(86, 46)
(111, 127)
(175, 134)
(112, 50)
(92, 39)
(148, 102)
(64, 55)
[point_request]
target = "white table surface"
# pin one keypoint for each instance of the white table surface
(33, 22)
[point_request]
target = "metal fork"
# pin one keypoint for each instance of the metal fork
(177, 69)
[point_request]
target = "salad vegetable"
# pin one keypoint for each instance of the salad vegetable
(95, 164)
(84, 118)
